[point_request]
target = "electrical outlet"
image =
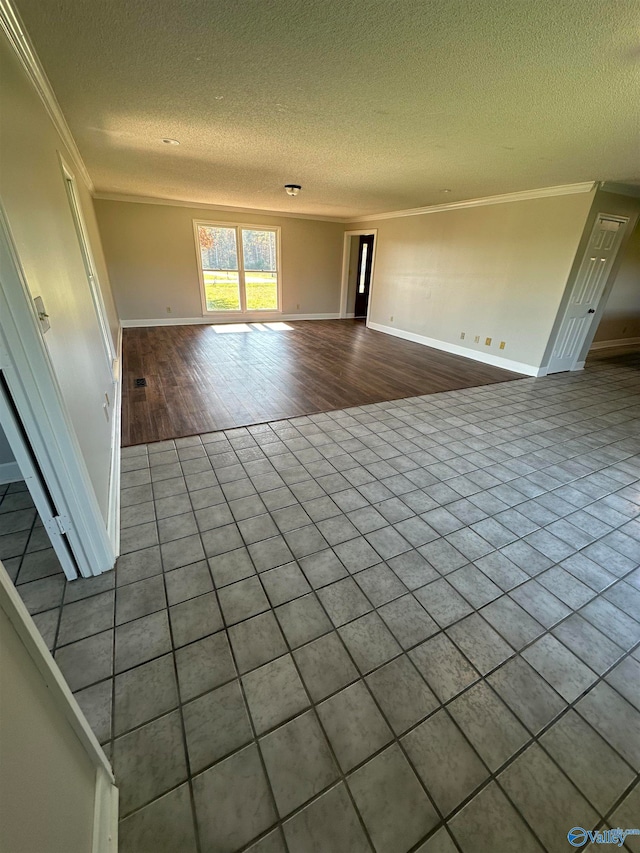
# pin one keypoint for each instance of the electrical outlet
(391, 318)
(503, 344)
(168, 309)
(476, 340)
(461, 336)
(298, 305)
(487, 342)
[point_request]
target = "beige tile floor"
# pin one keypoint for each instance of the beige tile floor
(411, 626)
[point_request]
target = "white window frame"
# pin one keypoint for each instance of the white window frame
(242, 311)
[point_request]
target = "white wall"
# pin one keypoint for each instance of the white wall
(495, 271)
(56, 785)
(38, 212)
(151, 255)
(47, 784)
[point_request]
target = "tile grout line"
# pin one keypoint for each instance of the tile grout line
(547, 631)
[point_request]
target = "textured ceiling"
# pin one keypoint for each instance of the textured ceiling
(371, 106)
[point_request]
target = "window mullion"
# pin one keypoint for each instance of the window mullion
(243, 290)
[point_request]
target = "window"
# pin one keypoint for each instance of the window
(238, 267)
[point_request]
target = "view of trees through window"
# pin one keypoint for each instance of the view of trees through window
(239, 268)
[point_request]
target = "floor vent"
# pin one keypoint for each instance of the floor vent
(141, 383)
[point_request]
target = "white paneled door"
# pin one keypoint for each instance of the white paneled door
(586, 292)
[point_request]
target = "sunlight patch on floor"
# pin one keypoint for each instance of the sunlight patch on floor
(237, 328)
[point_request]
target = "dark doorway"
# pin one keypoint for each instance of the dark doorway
(363, 281)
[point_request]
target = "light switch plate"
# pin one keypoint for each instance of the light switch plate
(43, 317)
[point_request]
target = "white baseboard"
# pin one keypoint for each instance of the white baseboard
(623, 342)
(113, 522)
(215, 321)
(485, 358)
(10, 473)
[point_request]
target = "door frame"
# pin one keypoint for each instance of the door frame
(89, 264)
(38, 400)
(113, 349)
(346, 253)
(363, 276)
(106, 798)
(578, 364)
(52, 521)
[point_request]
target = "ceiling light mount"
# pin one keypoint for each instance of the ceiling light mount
(292, 189)
(168, 141)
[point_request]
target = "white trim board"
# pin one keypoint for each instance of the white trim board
(105, 823)
(29, 635)
(454, 349)
(623, 342)
(524, 195)
(19, 40)
(203, 205)
(113, 521)
(505, 198)
(346, 257)
(10, 473)
(211, 320)
(105, 815)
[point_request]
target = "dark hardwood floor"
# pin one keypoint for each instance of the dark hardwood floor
(199, 380)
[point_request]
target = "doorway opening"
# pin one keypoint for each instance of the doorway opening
(33, 544)
(586, 294)
(619, 317)
(357, 273)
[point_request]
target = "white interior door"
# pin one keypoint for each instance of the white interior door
(89, 266)
(54, 524)
(586, 291)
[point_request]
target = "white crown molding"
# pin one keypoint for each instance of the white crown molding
(200, 205)
(21, 44)
(525, 195)
(544, 192)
